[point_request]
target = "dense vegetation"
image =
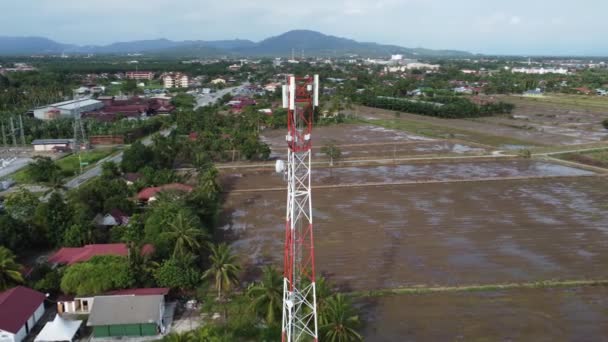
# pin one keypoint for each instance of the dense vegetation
(442, 107)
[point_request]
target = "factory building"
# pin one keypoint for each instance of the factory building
(70, 109)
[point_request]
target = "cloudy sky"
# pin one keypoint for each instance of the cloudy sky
(484, 26)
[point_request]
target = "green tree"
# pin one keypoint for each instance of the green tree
(224, 269)
(109, 170)
(267, 295)
(54, 217)
(21, 205)
(339, 321)
(332, 151)
(98, 275)
(130, 87)
(185, 233)
(10, 270)
(177, 273)
(135, 157)
(43, 169)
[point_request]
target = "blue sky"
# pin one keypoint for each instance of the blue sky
(483, 26)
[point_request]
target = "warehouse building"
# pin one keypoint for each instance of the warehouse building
(69, 109)
(53, 145)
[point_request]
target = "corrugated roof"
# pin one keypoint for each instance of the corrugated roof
(52, 141)
(129, 309)
(69, 255)
(148, 193)
(141, 292)
(17, 305)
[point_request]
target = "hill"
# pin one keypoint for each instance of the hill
(309, 42)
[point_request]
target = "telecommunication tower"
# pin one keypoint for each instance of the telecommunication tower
(300, 97)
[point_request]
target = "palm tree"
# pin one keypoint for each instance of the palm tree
(208, 182)
(340, 320)
(267, 295)
(185, 233)
(224, 268)
(9, 269)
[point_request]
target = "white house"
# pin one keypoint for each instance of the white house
(20, 309)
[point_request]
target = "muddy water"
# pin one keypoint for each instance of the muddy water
(345, 134)
(514, 315)
(408, 172)
(440, 234)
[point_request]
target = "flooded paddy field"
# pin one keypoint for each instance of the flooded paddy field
(368, 141)
(411, 172)
(438, 234)
(574, 314)
(540, 129)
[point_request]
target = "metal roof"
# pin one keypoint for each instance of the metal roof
(71, 104)
(52, 141)
(127, 309)
(17, 305)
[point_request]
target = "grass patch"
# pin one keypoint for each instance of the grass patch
(474, 288)
(442, 132)
(580, 101)
(70, 164)
(593, 158)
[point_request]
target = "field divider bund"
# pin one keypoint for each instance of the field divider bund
(414, 290)
(379, 184)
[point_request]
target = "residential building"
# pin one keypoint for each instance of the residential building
(175, 80)
(72, 108)
(114, 218)
(72, 255)
(218, 81)
(140, 75)
(149, 194)
(127, 315)
(20, 309)
(540, 71)
(53, 145)
(533, 93)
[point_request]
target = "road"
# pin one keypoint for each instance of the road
(205, 99)
(117, 158)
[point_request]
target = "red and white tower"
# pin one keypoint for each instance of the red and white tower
(300, 97)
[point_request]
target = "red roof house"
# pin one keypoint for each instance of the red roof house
(70, 255)
(148, 194)
(20, 309)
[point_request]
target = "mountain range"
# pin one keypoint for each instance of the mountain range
(306, 42)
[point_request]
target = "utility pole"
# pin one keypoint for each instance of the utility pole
(13, 133)
(21, 130)
(3, 135)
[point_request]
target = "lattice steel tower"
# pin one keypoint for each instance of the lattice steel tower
(300, 97)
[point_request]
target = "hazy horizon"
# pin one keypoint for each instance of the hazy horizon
(487, 27)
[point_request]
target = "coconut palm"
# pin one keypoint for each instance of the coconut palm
(9, 269)
(267, 295)
(224, 268)
(340, 321)
(185, 232)
(208, 182)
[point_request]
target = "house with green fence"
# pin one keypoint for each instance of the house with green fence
(127, 316)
